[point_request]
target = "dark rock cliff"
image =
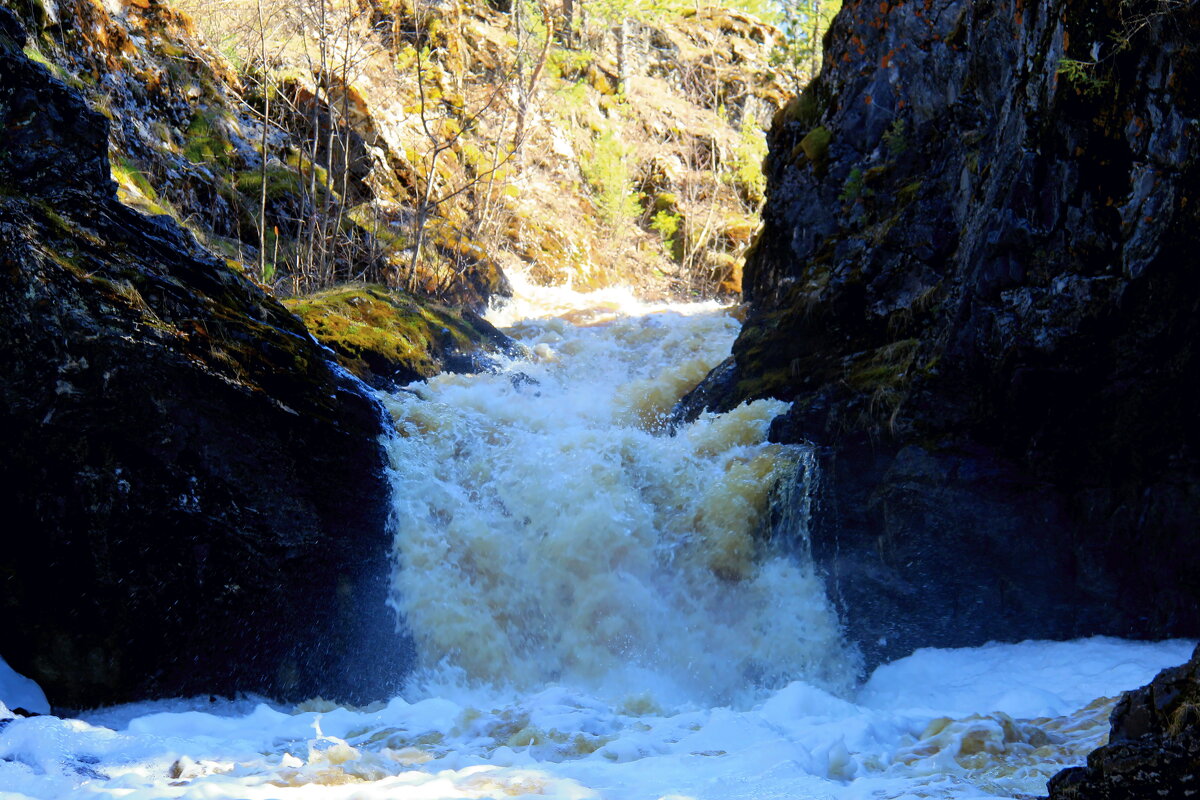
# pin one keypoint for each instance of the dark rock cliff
(979, 282)
(1153, 746)
(196, 494)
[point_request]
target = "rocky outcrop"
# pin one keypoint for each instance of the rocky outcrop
(196, 501)
(977, 282)
(389, 338)
(1153, 748)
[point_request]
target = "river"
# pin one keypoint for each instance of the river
(605, 607)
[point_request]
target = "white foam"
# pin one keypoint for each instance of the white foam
(1013, 678)
(549, 528)
(561, 742)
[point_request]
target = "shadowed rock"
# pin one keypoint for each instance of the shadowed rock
(978, 283)
(1153, 748)
(196, 499)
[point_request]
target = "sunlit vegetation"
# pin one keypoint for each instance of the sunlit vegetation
(432, 148)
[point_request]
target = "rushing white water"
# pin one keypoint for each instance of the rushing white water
(549, 529)
(602, 614)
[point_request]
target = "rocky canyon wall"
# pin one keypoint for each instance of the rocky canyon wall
(978, 284)
(195, 492)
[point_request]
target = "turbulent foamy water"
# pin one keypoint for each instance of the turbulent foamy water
(603, 612)
(549, 529)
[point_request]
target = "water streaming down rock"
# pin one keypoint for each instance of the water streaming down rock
(549, 528)
(555, 533)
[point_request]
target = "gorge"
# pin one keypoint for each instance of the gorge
(956, 412)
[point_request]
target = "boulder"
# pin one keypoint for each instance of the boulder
(1153, 747)
(196, 493)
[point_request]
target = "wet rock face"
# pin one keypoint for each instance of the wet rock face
(1154, 744)
(977, 281)
(195, 494)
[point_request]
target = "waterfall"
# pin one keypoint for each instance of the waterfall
(549, 529)
(607, 610)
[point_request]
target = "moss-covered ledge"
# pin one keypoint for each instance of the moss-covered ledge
(388, 338)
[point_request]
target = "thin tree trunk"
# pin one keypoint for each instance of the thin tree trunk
(622, 34)
(262, 192)
(529, 93)
(423, 211)
(815, 65)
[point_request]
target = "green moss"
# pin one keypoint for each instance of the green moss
(884, 367)
(769, 383)
(205, 141)
(874, 175)
(882, 378)
(134, 189)
(815, 145)
(302, 164)
(908, 193)
(281, 182)
(666, 201)
(126, 174)
(805, 109)
(385, 333)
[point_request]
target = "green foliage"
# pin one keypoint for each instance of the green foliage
(894, 139)
(666, 223)
(748, 155)
(612, 12)
(571, 100)
(853, 188)
(765, 10)
(608, 171)
(568, 64)
(1082, 75)
(804, 23)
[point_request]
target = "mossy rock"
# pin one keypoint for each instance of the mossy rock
(281, 182)
(388, 338)
(815, 145)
